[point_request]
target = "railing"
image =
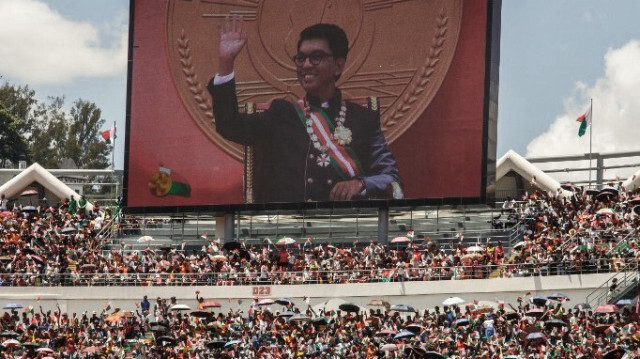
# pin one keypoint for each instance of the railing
(310, 276)
(626, 276)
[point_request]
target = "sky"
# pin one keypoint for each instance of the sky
(556, 55)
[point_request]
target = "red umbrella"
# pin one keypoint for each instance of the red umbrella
(606, 308)
(5, 214)
(210, 304)
(535, 312)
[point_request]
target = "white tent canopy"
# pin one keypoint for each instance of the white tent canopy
(512, 161)
(37, 173)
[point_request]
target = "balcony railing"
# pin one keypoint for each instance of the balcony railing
(313, 276)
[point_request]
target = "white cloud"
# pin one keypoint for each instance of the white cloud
(39, 46)
(616, 112)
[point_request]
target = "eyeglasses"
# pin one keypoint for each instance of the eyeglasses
(315, 58)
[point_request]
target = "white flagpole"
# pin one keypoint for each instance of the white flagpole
(590, 137)
(113, 148)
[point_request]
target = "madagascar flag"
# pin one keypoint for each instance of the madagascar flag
(585, 121)
(109, 135)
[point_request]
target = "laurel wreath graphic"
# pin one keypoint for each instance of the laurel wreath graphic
(196, 88)
(424, 75)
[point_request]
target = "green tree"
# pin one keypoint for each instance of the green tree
(13, 145)
(44, 132)
(83, 142)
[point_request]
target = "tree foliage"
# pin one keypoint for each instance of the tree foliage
(44, 132)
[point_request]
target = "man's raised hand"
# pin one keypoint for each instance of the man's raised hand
(232, 40)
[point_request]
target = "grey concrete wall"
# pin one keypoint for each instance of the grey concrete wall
(418, 294)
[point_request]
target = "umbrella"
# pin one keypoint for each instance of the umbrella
(210, 304)
(67, 230)
(29, 209)
(519, 245)
(180, 307)
(265, 302)
(10, 342)
(216, 344)
(617, 353)
(232, 343)
(539, 300)
(29, 192)
(5, 214)
(38, 259)
(401, 240)
(378, 303)
(389, 347)
(623, 302)
(349, 307)
(415, 328)
(88, 267)
(606, 212)
(385, 333)
(402, 308)
(555, 323)
(287, 314)
(232, 245)
(200, 314)
(12, 306)
(158, 328)
(418, 352)
(606, 308)
(166, 339)
(582, 306)
(475, 249)
(559, 297)
(536, 312)
(285, 241)
(44, 350)
(30, 345)
(300, 317)
(144, 239)
(536, 336)
(218, 258)
(320, 321)
(9, 334)
(453, 301)
(404, 334)
(284, 301)
(462, 322)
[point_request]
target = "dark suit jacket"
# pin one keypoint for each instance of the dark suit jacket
(281, 138)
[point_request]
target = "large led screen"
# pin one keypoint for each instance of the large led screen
(427, 70)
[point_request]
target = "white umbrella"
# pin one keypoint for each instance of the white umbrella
(285, 241)
(265, 302)
(453, 301)
(145, 239)
(401, 240)
(9, 342)
(475, 249)
(606, 211)
(180, 307)
(389, 347)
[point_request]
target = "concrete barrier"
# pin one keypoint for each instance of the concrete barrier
(418, 294)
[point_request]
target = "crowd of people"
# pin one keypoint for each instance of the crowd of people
(61, 245)
(532, 327)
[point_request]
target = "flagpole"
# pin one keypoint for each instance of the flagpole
(590, 138)
(113, 149)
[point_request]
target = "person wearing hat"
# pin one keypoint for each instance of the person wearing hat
(320, 148)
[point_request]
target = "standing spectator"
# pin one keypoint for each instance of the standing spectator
(3, 203)
(145, 305)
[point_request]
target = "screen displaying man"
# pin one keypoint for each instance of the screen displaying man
(319, 148)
